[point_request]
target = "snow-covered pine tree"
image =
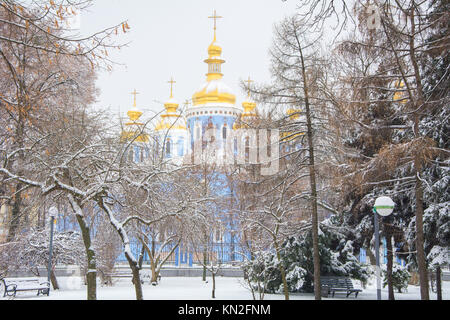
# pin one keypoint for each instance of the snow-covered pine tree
(337, 257)
(435, 124)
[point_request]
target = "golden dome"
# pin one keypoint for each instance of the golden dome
(134, 128)
(249, 113)
(249, 105)
(171, 105)
(134, 114)
(214, 90)
(171, 120)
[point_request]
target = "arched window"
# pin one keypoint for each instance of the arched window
(168, 148)
(247, 149)
(137, 154)
(180, 146)
(130, 155)
(224, 132)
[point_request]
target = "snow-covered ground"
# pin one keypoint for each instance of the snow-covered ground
(178, 288)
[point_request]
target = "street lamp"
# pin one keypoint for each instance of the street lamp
(383, 207)
(52, 212)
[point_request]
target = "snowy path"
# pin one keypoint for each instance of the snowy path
(195, 289)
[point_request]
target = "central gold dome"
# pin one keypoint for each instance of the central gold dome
(214, 90)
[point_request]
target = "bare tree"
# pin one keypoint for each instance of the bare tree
(298, 70)
(43, 69)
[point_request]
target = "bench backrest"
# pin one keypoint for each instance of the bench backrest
(337, 282)
(24, 282)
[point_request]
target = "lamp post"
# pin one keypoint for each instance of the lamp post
(383, 207)
(52, 212)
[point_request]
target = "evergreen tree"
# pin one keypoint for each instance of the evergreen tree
(337, 258)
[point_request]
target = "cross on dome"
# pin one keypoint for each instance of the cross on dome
(171, 86)
(249, 82)
(134, 93)
(215, 17)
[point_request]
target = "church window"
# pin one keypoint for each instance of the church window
(224, 132)
(130, 155)
(168, 147)
(136, 154)
(180, 146)
(247, 149)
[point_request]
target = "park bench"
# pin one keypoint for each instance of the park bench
(12, 286)
(339, 285)
(127, 274)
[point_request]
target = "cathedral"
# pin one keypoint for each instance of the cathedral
(213, 109)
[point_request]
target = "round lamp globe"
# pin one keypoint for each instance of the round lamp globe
(53, 212)
(384, 206)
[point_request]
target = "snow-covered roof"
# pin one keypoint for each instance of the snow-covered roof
(214, 85)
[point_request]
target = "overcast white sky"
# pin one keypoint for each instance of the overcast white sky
(170, 38)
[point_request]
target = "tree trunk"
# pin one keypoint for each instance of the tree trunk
(91, 275)
(157, 272)
(438, 283)
(252, 290)
(205, 261)
(390, 262)
(283, 274)
(421, 262)
(154, 273)
(312, 182)
(423, 273)
(17, 202)
(213, 285)
(53, 280)
(141, 257)
(136, 278)
(15, 214)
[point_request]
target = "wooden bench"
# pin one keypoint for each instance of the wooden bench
(127, 274)
(339, 285)
(12, 286)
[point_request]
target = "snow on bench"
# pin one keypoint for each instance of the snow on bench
(14, 285)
